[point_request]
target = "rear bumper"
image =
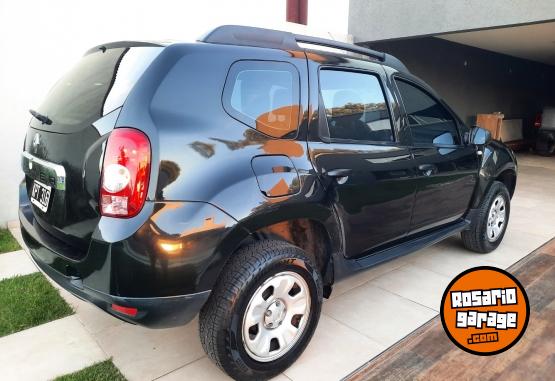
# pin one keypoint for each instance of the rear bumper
(156, 312)
(163, 312)
(128, 262)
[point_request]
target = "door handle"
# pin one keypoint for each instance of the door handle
(343, 172)
(427, 169)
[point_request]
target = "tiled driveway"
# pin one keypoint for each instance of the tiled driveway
(366, 314)
(428, 354)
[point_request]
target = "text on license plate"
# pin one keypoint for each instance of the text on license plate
(40, 195)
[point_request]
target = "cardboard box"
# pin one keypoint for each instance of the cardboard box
(491, 122)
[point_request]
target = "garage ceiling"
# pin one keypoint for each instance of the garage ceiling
(533, 42)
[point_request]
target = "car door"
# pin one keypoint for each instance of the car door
(446, 168)
(365, 166)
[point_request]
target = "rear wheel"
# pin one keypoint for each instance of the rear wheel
(488, 226)
(263, 311)
(545, 145)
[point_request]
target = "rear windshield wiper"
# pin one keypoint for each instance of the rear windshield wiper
(43, 118)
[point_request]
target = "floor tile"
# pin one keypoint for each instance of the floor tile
(416, 284)
(364, 276)
(448, 261)
(47, 351)
(200, 370)
(378, 314)
(204, 370)
(16, 263)
(335, 350)
(145, 354)
(528, 239)
(515, 246)
(538, 221)
(93, 318)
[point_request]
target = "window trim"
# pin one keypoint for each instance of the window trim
(323, 120)
(230, 80)
(456, 120)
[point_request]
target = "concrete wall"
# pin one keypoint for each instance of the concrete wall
(475, 81)
(373, 20)
(40, 40)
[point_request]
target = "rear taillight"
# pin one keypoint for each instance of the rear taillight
(538, 121)
(125, 173)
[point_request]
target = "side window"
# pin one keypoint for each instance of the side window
(264, 95)
(429, 121)
(355, 106)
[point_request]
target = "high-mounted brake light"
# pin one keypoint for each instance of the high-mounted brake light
(125, 173)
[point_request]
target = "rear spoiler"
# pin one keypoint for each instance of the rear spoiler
(124, 44)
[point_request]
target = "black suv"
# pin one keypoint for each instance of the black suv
(241, 176)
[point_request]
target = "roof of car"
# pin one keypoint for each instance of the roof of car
(267, 38)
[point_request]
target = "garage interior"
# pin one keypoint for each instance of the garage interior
(510, 70)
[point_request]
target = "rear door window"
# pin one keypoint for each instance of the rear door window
(264, 95)
(429, 122)
(355, 106)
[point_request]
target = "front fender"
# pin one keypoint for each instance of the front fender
(496, 159)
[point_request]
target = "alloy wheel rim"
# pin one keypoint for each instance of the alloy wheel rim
(496, 218)
(276, 316)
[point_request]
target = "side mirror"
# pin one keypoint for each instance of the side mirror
(480, 136)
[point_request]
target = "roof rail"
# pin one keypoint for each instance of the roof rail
(269, 38)
(340, 45)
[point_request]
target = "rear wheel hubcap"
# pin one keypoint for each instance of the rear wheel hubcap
(276, 316)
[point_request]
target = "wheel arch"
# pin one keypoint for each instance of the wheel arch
(311, 236)
(317, 234)
(498, 164)
(508, 178)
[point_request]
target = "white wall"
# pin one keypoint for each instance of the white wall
(40, 40)
(375, 20)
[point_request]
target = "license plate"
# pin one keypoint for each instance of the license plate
(40, 195)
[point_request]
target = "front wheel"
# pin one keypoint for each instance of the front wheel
(263, 311)
(488, 226)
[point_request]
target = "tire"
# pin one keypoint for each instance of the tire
(545, 145)
(478, 237)
(259, 270)
(549, 151)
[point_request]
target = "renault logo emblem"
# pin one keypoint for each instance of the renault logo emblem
(36, 142)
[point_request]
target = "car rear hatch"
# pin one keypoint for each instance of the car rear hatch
(62, 157)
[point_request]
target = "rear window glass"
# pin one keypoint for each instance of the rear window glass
(264, 95)
(96, 85)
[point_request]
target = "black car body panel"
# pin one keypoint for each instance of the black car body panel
(217, 182)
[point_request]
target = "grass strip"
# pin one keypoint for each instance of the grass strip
(27, 301)
(101, 371)
(7, 242)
